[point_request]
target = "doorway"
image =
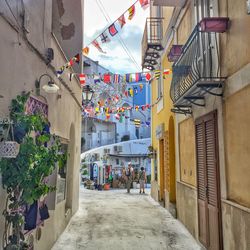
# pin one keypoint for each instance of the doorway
(209, 210)
(162, 171)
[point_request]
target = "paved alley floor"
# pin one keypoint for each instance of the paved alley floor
(115, 220)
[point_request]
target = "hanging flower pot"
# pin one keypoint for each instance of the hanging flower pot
(9, 149)
(174, 53)
(214, 24)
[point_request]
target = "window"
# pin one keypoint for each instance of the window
(117, 161)
(61, 178)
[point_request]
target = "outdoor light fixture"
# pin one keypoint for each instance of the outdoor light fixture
(50, 87)
(87, 94)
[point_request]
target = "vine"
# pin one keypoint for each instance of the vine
(24, 177)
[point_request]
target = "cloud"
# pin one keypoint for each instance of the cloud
(116, 59)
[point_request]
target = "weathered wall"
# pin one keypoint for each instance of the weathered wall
(185, 27)
(237, 138)
(21, 68)
(187, 152)
(234, 51)
(187, 207)
(236, 226)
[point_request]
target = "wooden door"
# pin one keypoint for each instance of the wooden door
(209, 211)
(162, 172)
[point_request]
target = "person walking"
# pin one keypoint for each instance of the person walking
(142, 180)
(130, 175)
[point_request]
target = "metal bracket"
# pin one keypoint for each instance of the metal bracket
(192, 98)
(206, 88)
(184, 110)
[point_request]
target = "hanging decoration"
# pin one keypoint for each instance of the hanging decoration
(131, 12)
(103, 37)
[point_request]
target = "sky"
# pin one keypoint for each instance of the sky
(115, 59)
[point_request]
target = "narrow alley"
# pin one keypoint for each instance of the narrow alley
(117, 220)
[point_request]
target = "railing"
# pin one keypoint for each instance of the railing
(152, 36)
(198, 65)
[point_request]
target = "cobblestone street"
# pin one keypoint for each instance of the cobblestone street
(117, 220)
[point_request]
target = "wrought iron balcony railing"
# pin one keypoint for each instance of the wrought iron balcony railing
(151, 42)
(196, 72)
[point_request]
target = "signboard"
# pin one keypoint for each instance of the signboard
(159, 131)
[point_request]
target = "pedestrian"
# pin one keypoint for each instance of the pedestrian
(142, 180)
(130, 175)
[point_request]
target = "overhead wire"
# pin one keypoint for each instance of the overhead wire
(108, 19)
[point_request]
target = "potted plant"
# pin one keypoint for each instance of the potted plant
(24, 177)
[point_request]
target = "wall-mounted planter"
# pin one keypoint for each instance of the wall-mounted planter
(174, 53)
(214, 24)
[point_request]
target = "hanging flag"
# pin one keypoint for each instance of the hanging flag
(60, 71)
(131, 92)
(131, 12)
(138, 77)
(107, 116)
(107, 78)
(105, 38)
(144, 4)
(69, 64)
(122, 21)
(70, 75)
(157, 74)
(85, 51)
(141, 87)
(96, 78)
(135, 90)
(112, 30)
(76, 58)
(166, 72)
(117, 78)
(148, 77)
(82, 78)
(126, 93)
(137, 123)
(117, 117)
(129, 77)
(97, 45)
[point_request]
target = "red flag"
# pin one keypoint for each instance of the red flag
(82, 78)
(112, 30)
(122, 20)
(144, 4)
(131, 12)
(97, 45)
(148, 77)
(77, 58)
(107, 78)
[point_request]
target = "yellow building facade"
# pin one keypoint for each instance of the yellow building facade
(209, 90)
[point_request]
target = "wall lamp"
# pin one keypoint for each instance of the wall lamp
(50, 87)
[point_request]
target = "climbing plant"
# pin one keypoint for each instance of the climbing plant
(24, 177)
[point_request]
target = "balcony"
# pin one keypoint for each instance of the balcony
(196, 73)
(151, 42)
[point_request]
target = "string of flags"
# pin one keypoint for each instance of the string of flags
(107, 34)
(109, 78)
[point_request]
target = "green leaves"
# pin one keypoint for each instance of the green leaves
(24, 177)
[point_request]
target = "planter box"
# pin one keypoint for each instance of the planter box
(174, 53)
(214, 24)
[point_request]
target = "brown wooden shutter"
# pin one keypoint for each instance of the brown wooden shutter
(201, 182)
(166, 161)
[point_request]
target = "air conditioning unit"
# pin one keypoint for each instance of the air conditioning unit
(117, 149)
(106, 150)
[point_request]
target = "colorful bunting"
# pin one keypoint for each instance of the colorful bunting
(141, 87)
(117, 78)
(148, 77)
(131, 12)
(128, 77)
(144, 4)
(157, 74)
(107, 78)
(82, 78)
(138, 77)
(112, 30)
(76, 58)
(122, 21)
(85, 51)
(105, 38)
(97, 45)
